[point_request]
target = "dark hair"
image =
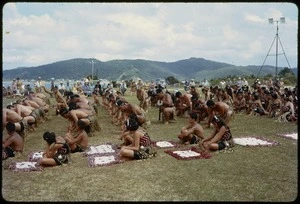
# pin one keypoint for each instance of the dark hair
(119, 102)
(210, 103)
(159, 90)
(177, 94)
(193, 115)
(9, 106)
(81, 124)
(72, 106)
(10, 127)
(63, 111)
(131, 124)
(274, 95)
(133, 116)
(218, 120)
(49, 137)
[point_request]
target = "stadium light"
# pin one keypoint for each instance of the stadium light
(271, 21)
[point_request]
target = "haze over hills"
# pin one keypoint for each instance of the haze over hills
(192, 68)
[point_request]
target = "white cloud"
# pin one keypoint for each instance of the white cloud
(238, 33)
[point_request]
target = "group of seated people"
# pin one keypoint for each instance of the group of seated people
(23, 116)
(20, 118)
(214, 106)
(281, 104)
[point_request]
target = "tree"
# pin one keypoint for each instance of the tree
(285, 71)
(172, 80)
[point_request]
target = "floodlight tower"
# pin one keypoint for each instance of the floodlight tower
(271, 21)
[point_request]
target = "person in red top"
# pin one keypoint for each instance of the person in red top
(141, 147)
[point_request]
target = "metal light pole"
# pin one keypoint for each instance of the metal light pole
(271, 21)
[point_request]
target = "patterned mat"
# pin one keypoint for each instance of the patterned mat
(166, 144)
(24, 166)
(104, 160)
(35, 155)
(293, 136)
(254, 141)
(188, 154)
(103, 149)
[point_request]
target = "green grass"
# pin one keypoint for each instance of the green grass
(247, 174)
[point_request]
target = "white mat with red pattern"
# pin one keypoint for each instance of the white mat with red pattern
(188, 154)
(293, 136)
(254, 141)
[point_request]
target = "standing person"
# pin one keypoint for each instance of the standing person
(52, 84)
(60, 100)
(193, 132)
(38, 85)
(61, 88)
(219, 108)
(220, 138)
(132, 87)
(97, 88)
(19, 84)
(13, 144)
(140, 84)
(141, 147)
(14, 87)
(68, 87)
(56, 152)
(123, 87)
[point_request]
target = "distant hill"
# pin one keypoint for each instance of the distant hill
(196, 68)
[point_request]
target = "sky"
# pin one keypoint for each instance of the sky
(35, 34)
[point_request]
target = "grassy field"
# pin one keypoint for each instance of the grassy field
(247, 174)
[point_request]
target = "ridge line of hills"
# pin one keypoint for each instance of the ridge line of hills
(125, 69)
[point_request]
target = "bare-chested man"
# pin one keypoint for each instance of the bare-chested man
(13, 117)
(60, 100)
(83, 102)
(166, 106)
(220, 109)
(38, 110)
(91, 122)
(128, 108)
(78, 142)
(144, 99)
(39, 101)
(193, 133)
(26, 113)
(13, 143)
(239, 103)
(185, 103)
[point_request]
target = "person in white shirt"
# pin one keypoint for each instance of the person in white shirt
(61, 88)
